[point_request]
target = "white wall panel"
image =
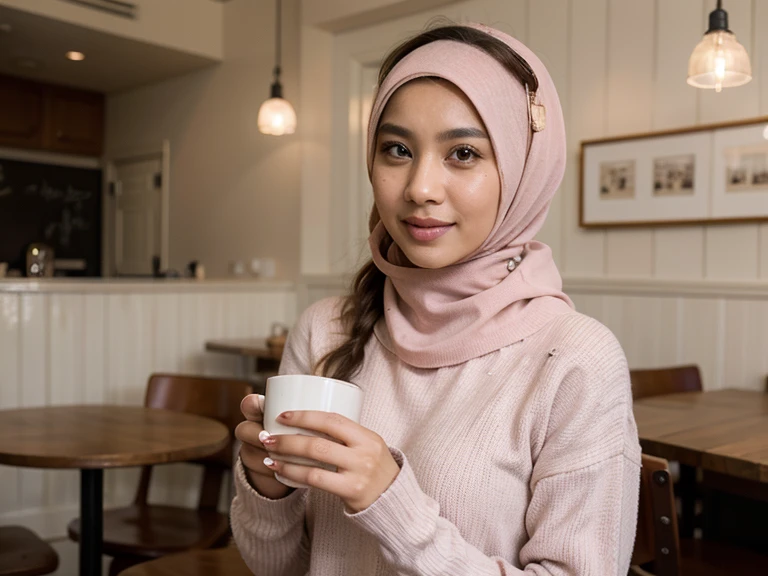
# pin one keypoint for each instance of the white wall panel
(732, 252)
(584, 250)
(746, 334)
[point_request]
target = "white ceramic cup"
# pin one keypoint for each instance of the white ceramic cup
(304, 392)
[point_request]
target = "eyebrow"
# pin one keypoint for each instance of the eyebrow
(453, 134)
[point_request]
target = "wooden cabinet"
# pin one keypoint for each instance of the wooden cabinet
(54, 118)
(74, 121)
(22, 113)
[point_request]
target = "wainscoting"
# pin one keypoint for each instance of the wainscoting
(90, 343)
(721, 326)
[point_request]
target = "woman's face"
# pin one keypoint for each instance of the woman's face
(435, 180)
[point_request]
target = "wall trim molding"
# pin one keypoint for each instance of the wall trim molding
(134, 286)
(729, 289)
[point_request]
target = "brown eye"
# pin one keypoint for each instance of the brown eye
(395, 150)
(465, 154)
(400, 151)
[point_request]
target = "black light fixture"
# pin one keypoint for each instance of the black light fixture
(719, 61)
(276, 115)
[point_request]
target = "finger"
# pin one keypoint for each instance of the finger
(252, 407)
(332, 482)
(248, 433)
(303, 446)
(329, 423)
(253, 459)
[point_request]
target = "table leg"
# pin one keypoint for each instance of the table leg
(91, 521)
(688, 500)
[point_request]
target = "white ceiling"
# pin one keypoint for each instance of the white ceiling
(111, 64)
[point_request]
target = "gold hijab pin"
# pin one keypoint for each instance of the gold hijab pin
(537, 113)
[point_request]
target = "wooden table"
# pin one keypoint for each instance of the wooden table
(220, 562)
(92, 438)
(722, 431)
(255, 357)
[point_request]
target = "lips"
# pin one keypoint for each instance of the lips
(426, 229)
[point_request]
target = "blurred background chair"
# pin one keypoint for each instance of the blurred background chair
(674, 380)
(660, 551)
(144, 531)
(23, 553)
(658, 381)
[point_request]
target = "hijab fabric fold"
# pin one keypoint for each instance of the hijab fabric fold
(446, 316)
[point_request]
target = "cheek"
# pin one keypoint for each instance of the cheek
(480, 197)
(385, 190)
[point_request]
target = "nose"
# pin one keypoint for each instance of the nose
(425, 185)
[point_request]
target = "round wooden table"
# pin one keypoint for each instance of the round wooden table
(219, 562)
(92, 438)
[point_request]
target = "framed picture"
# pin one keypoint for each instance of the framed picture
(704, 174)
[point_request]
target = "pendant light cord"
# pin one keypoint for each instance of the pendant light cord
(277, 36)
(276, 89)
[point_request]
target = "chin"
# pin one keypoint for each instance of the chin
(431, 261)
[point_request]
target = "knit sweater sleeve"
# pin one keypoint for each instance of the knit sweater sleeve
(271, 534)
(582, 509)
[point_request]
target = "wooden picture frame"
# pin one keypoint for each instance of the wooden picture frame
(708, 174)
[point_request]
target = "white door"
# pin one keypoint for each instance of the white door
(137, 215)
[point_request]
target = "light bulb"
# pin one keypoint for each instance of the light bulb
(719, 70)
(277, 117)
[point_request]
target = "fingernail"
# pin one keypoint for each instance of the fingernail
(260, 398)
(265, 437)
(286, 415)
(268, 461)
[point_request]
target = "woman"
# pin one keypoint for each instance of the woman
(497, 434)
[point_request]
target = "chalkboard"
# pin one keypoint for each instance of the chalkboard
(57, 205)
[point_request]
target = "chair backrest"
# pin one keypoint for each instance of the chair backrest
(657, 538)
(216, 398)
(658, 381)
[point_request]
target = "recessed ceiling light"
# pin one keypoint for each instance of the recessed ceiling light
(76, 56)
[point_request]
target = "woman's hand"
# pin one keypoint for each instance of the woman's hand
(365, 467)
(252, 451)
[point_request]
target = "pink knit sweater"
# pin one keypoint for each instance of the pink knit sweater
(523, 461)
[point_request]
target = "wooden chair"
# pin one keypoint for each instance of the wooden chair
(23, 553)
(203, 562)
(145, 531)
(658, 547)
(659, 381)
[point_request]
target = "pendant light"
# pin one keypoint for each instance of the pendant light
(276, 115)
(719, 61)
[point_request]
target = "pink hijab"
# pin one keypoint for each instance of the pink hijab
(446, 316)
